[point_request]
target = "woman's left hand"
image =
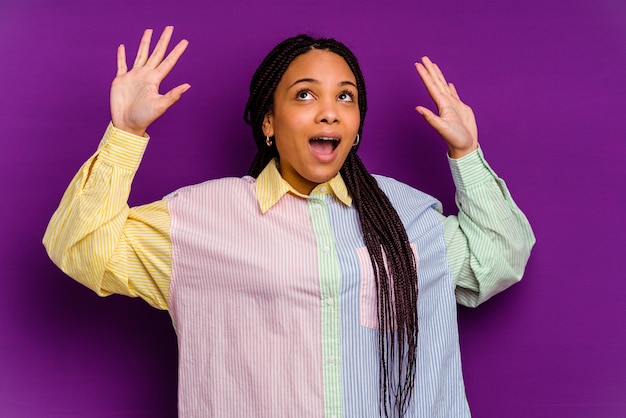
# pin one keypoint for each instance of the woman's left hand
(455, 122)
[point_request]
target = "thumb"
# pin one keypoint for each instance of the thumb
(432, 119)
(167, 100)
(176, 93)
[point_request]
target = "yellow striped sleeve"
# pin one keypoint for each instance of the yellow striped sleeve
(489, 242)
(94, 236)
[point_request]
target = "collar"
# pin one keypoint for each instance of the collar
(270, 187)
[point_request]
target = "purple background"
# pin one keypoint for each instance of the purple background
(545, 78)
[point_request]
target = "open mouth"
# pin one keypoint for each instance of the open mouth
(324, 145)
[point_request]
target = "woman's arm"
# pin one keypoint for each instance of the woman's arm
(489, 242)
(94, 236)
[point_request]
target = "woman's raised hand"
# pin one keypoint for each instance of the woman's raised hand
(455, 122)
(135, 98)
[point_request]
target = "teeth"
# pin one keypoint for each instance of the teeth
(334, 141)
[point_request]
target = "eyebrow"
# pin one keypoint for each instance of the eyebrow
(314, 81)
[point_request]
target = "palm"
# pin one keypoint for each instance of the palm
(455, 122)
(135, 98)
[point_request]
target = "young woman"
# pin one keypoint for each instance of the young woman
(309, 287)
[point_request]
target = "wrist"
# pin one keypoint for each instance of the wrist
(129, 129)
(456, 153)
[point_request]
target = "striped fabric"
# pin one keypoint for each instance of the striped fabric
(270, 188)
(271, 292)
(268, 307)
(95, 238)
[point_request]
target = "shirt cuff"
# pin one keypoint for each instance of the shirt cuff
(470, 170)
(121, 148)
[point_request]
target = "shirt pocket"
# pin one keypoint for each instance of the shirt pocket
(368, 293)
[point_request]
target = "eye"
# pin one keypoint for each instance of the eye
(346, 96)
(304, 95)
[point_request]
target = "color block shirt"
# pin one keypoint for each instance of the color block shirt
(272, 293)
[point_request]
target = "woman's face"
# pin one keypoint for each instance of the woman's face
(315, 118)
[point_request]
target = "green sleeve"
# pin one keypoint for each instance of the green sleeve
(489, 241)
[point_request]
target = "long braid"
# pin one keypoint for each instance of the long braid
(383, 232)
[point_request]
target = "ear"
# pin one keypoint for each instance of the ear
(268, 124)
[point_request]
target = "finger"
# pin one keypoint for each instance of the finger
(172, 96)
(449, 87)
(172, 58)
(121, 60)
(161, 47)
(454, 91)
(144, 49)
(439, 79)
(176, 93)
(433, 88)
(430, 117)
(434, 71)
(434, 74)
(426, 77)
(439, 75)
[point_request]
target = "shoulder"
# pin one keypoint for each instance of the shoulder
(416, 209)
(224, 187)
(399, 192)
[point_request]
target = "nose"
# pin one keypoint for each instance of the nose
(328, 112)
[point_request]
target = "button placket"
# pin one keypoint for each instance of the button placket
(330, 285)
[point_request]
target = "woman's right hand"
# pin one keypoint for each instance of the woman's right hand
(135, 98)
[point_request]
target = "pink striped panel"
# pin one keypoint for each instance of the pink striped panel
(244, 312)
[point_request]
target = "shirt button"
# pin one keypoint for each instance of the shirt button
(323, 189)
(326, 249)
(330, 302)
(331, 360)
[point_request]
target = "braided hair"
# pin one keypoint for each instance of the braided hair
(384, 234)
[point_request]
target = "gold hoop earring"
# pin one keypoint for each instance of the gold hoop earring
(268, 141)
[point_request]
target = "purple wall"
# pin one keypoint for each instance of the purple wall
(545, 78)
